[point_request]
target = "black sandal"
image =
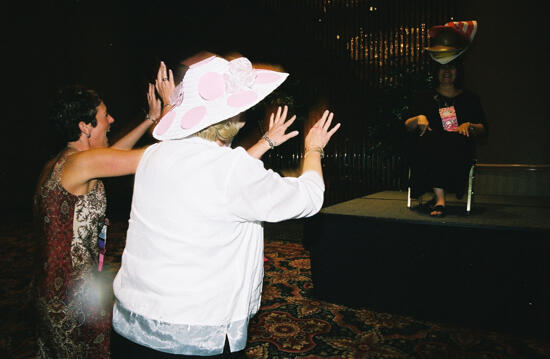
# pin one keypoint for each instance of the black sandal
(438, 208)
(431, 203)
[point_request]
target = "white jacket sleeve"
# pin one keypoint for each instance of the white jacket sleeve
(256, 194)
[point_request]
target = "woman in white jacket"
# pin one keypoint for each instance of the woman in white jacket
(192, 269)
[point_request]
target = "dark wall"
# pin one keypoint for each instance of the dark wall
(51, 44)
(508, 67)
(115, 47)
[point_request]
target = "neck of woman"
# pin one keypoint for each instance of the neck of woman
(78, 145)
(447, 90)
(221, 144)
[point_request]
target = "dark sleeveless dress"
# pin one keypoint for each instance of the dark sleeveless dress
(73, 302)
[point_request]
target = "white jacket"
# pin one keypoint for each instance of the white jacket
(194, 249)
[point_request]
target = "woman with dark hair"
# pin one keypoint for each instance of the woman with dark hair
(441, 151)
(74, 304)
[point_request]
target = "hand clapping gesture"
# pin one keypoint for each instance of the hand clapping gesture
(154, 104)
(164, 83)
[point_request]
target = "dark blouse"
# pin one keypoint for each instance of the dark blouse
(467, 105)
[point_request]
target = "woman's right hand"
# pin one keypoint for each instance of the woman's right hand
(319, 135)
(164, 83)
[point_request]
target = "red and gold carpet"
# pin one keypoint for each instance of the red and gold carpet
(291, 322)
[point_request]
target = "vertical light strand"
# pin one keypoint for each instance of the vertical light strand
(376, 50)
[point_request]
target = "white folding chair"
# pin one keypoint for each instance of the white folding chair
(469, 192)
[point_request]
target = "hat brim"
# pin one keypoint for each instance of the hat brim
(442, 49)
(207, 99)
(445, 57)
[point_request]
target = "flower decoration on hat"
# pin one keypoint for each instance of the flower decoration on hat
(240, 75)
(449, 41)
(214, 90)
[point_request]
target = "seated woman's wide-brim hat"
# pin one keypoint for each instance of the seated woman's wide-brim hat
(214, 90)
(449, 41)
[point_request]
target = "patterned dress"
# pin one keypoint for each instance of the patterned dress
(74, 302)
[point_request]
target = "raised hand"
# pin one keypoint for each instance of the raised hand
(278, 126)
(319, 135)
(154, 104)
(164, 83)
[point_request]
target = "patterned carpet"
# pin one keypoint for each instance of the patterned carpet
(290, 324)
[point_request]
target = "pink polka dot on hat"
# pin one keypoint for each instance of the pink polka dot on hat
(214, 90)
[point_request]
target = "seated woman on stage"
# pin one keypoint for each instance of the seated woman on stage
(442, 148)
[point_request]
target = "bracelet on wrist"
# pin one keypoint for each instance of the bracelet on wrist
(316, 149)
(153, 120)
(269, 142)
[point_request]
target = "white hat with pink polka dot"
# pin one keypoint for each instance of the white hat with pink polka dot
(214, 90)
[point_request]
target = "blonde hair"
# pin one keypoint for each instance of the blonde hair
(223, 131)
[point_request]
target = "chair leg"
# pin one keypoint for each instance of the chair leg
(470, 189)
(409, 190)
(409, 194)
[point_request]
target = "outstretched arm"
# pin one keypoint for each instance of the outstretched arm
(129, 140)
(84, 166)
(315, 142)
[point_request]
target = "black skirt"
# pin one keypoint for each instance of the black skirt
(439, 160)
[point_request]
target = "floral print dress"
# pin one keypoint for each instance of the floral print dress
(73, 302)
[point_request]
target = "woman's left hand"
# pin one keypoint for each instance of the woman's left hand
(154, 103)
(464, 129)
(278, 126)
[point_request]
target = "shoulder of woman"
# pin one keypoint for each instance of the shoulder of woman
(240, 154)
(426, 92)
(468, 94)
(46, 171)
(422, 96)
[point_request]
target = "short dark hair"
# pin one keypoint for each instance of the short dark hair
(71, 105)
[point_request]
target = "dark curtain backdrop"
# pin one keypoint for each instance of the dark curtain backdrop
(362, 59)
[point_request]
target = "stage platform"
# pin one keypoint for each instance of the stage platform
(488, 269)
